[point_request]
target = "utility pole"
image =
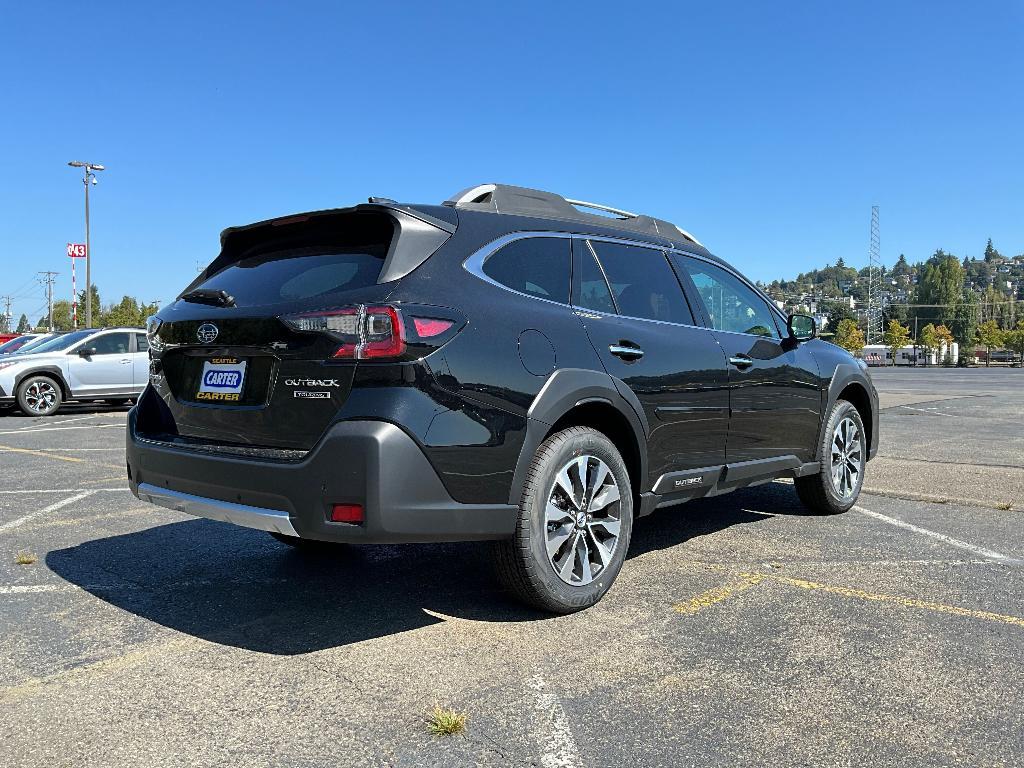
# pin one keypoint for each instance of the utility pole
(7, 313)
(89, 176)
(48, 279)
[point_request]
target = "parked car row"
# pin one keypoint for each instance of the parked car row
(110, 364)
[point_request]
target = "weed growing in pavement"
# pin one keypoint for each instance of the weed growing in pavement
(446, 722)
(24, 557)
(1005, 506)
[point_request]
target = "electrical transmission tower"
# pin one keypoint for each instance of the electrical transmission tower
(875, 299)
(47, 280)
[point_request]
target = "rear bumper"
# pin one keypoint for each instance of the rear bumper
(371, 463)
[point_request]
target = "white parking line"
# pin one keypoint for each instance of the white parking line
(988, 554)
(45, 510)
(61, 429)
(929, 411)
(60, 490)
(556, 741)
(55, 423)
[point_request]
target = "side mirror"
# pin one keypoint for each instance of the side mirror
(86, 351)
(802, 327)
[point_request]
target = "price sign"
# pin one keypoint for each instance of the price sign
(76, 250)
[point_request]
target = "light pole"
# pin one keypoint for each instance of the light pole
(88, 177)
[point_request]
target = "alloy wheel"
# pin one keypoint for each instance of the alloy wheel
(582, 520)
(847, 457)
(40, 396)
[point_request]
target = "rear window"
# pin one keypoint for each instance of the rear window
(307, 260)
(297, 274)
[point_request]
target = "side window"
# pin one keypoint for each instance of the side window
(538, 266)
(591, 289)
(110, 344)
(141, 342)
(643, 283)
(731, 304)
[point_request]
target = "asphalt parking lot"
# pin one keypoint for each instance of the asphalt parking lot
(742, 630)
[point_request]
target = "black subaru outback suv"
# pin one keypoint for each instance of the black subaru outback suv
(505, 366)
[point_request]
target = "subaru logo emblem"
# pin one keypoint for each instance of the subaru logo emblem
(207, 332)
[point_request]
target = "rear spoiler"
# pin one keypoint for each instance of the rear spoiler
(417, 236)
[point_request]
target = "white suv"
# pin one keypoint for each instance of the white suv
(111, 364)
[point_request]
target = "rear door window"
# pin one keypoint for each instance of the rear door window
(538, 266)
(643, 283)
(110, 344)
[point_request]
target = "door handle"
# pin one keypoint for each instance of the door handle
(741, 361)
(626, 352)
(125, 362)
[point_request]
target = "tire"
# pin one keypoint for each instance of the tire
(39, 396)
(595, 544)
(820, 492)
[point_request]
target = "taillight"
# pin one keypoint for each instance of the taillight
(362, 332)
(428, 327)
(384, 334)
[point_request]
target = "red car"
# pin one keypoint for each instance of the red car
(5, 337)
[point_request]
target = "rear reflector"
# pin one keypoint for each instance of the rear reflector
(347, 513)
(429, 326)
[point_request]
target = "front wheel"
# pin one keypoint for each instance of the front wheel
(38, 396)
(575, 523)
(844, 452)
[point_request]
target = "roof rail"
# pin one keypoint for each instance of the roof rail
(504, 198)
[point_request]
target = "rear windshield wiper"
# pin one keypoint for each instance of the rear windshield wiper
(210, 296)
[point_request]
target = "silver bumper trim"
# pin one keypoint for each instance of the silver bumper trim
(214, 509)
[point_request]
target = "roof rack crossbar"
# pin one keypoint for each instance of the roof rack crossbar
(599, 207)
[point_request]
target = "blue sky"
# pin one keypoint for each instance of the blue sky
(766, 129)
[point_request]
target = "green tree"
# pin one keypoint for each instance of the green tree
(96, 308)
(896, 337)
(836, 313)
(990, 336)
(61, 317)
(941, 284)
(23, 325)
(964, 321)
(991, 254)
(1014, 340)
(849, 336)
(928, 340)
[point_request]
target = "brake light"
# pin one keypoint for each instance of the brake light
(362, 332)
(384, 333)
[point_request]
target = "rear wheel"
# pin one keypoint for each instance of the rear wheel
(38, 396)
(837, 485)
(575, 523)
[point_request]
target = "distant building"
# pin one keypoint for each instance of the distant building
(879, 354)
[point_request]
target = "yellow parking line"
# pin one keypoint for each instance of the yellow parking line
(718, 594)
(908, 602)
(30, 452)
(57, 456)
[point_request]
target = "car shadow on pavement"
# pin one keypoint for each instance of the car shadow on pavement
(242, 588)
